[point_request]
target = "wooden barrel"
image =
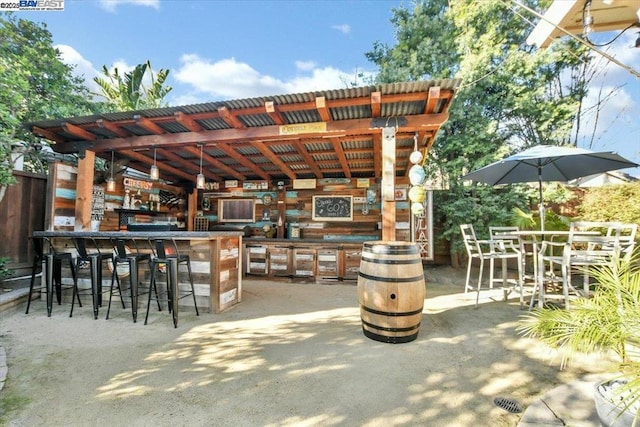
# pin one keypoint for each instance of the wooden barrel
(391, 291)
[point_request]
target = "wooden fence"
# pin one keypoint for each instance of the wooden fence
(22, 210)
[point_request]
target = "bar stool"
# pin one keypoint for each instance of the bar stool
(95, 260)
(172, 262)
(52, 271)
(132, 260)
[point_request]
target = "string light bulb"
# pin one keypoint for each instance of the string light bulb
(111, 183)
(154, 173)
(200, 177)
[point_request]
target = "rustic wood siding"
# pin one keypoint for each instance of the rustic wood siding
(21, 212)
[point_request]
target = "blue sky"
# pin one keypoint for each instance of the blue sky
(230, 49)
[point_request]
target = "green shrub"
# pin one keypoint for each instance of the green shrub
(619, 202)
(4, 271)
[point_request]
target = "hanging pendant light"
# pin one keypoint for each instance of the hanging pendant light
(111, 183)
(155, 172)
(200, 177)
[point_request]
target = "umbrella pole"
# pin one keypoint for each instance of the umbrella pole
(541, 204)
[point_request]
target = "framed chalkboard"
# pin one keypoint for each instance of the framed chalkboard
(332, 208)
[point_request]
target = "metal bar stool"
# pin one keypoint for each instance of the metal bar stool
(52, 271)
(95, 260)
(171, 258)
(132, 260)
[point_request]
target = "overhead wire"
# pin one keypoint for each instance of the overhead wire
(578, 39)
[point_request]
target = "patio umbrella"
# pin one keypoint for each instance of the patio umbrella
(544, 163)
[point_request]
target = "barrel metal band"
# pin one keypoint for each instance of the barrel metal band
(390, 279)
(388, 339)
(392, 261)
(391, 314)
(382, 328)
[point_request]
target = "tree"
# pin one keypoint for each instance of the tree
(129, 92)
(510, 98)
(34, 84)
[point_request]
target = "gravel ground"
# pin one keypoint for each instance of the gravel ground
(290, 354)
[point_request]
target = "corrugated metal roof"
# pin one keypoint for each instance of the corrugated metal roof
(348, 116)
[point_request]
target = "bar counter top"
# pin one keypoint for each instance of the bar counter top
(249, 240)
(179, 235)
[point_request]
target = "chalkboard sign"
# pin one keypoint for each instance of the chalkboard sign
(332, 208)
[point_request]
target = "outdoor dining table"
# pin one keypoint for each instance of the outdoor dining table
(534, 238)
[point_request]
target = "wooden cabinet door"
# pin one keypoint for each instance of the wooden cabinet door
(304, 262)
(256, 259)
(279, 262)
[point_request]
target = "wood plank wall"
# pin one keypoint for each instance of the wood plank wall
(63, 199)
(298, 210)
(22, 211)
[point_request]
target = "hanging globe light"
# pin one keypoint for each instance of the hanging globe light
(417, 175)
(417, 208)
(415, 157)
(417, 194)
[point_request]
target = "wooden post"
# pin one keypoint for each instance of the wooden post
(84, 191)
(388, 183)
(192, 209)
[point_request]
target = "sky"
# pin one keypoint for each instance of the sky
(233, 49)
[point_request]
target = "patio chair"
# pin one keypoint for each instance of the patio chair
(627, 238)
(511, 236)
(585, 248)
(488, 250)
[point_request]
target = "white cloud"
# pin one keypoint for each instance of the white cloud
(112, 5)
(343, 28)
(81, 67)
(305, 65)
(226, 78)
(231, 79)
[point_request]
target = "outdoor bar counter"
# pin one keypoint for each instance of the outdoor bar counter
(319, 260)
(216, 258)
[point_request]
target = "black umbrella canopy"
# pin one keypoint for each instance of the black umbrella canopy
(544, 163)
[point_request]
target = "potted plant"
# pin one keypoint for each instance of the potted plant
(609, 321)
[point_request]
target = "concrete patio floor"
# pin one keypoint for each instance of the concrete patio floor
(290, 354)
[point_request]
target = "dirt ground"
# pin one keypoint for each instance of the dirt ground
(289, 355)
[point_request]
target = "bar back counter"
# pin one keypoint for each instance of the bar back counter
(216, 259)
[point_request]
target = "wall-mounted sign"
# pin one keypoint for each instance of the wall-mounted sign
(137, 183)
(301, 184)
(97, 203)
(332, 208)
(363, 183)
(255, 185)
(231, 183)
(302, 128)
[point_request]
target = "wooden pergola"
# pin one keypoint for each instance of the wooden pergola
(323, 134)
